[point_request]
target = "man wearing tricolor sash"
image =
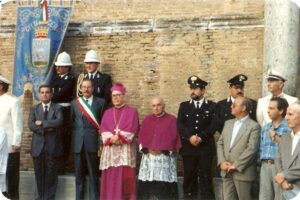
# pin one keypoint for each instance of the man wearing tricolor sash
(86, 114)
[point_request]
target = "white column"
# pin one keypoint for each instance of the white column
(281, 42)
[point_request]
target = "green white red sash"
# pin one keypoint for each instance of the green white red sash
(88, 111)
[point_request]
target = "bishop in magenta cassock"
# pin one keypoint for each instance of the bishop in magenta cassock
(159, 142)
(118, 158)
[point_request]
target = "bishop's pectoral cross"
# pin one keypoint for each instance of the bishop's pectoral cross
(117, 130)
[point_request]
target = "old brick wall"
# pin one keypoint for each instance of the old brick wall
(154, 46)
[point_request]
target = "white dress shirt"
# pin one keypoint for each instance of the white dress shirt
(196, 103)
(92, 75)
(89, 100)
(48, 106)
(296, 138)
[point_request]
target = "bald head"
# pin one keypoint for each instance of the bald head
(158, 106)
(293, 117)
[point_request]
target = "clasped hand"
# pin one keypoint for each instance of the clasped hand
(195, 140)
(227, 167)
(115, 140)
(282, 182)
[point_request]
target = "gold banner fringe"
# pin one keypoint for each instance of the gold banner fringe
(54, 3)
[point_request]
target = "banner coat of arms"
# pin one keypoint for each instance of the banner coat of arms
(40, 29)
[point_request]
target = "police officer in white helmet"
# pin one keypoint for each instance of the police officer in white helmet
(102, 82)
(63, 85)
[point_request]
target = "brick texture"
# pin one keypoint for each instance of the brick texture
(154, 46)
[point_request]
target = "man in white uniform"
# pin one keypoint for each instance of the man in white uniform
(275, 87)
(3, 161)
(11, 119)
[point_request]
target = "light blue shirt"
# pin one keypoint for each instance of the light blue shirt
(268, 147)
(236, 128)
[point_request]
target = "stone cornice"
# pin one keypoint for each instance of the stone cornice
(95, 28)
(160, 25)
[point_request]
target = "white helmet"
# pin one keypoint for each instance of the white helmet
(4, 80)
(63, 59)
(91, 56)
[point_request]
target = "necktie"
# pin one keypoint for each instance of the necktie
(45, 112)
(198, 104)
(91, 76)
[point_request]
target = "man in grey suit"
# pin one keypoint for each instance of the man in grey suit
(86, 114)
(288, 156)
(237, 150)
(45, 120)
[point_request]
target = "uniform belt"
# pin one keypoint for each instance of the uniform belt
(65, 104)
(271, 162)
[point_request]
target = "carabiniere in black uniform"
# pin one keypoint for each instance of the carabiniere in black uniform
(197, 160)
(223, 108)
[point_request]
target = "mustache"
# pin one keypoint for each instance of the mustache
(195, 97)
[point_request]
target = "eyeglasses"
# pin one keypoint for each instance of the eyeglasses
(116, 95)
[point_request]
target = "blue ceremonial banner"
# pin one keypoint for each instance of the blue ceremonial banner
(41, 26)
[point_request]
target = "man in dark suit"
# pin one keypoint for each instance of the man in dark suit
(237, 152)
(63, 85)
(223, 108)
(196, 128)
(288, 156)
(102, 82)
(86, 114)
(45, 120)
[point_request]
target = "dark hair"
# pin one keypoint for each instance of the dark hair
(86, 79)
(248, 104)
(5, 86)
(45, 86)
(282, 104)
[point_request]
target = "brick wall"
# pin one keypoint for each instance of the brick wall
(154, 46)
